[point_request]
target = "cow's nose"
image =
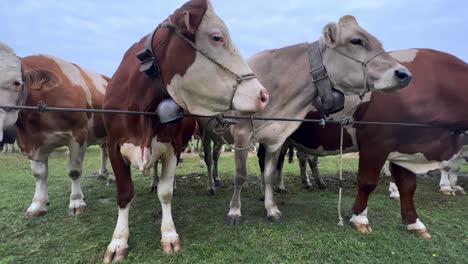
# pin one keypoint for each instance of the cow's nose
(264, 98)
(404, 77)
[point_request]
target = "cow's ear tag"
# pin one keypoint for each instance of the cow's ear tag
(169, 112)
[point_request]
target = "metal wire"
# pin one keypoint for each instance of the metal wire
(41, 107)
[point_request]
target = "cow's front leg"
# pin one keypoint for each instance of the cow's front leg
(449, 178)
(118, 247)
(155, 178)
(370, 165)
(279, 181)
(169, 238)
(271, 159)
(234, 214)
(208, 157)
(40, 170)
(406, 183)
(313, 164)
(75, 164)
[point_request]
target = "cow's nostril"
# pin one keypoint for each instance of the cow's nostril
(404, 77)
(264, 97)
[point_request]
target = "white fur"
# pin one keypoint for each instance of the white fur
(121, 232)
(143, 158)
(41, 195)
(416, 226)
(416, 163)
(407, 55)
(360, 219)
(77, 153)
(393, 190)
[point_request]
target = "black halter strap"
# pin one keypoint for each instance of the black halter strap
(149, 65)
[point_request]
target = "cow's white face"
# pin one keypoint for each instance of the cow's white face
(347, 37)
(11, 84)
(206, 88)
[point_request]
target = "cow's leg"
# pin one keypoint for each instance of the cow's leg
(234, 214)
(392, 188)
(453, 177)
(406, 183)
(313, 164)
(370, 165)
(216, 153)
(103, 173)
(273, 213)
(261, 163)
(303, 171)
(40, 200)
(279, 182)
(11, 148)
(118, 247)
(75, 165)
(155, 178)
(208, 157)
(169, 237)
(5, 148)
(444, 183)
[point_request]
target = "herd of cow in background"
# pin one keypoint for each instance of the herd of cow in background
(191, 60)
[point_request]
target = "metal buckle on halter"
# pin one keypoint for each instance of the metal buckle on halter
(319, 73)
(147, 65)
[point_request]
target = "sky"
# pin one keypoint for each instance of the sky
(95, 34)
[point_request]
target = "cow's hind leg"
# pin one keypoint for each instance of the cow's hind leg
(392, 188)
(40, 200)
(208, 157)
(271, 159)
(216, 153)
(154, 178)
(406, 183)
(118, 247)
(75, 165)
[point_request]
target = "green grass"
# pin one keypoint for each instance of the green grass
(309, 233)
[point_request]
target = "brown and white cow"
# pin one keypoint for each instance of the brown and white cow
(58, 83)
(12, 91)
(286, 73)
(186, 49)
(436, 95)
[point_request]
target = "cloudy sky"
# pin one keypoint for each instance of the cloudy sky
(95, 34)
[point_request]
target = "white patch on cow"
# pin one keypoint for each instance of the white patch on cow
(41, 194)
(120, 237)
(416, 226)
(143, 158)
(416, 163)
(360, 219)
(74, 76)
(407, 55)
(393, 190)
(99, 82)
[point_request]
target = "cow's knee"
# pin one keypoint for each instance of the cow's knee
(74, 174)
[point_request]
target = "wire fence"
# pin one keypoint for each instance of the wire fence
(42, 107)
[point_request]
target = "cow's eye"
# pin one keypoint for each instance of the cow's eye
(217, 37)
(17, 83)
(357, 42)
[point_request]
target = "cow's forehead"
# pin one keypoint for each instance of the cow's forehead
(10, 67)
(349, 27)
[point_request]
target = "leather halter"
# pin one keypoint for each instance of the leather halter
(328, 99)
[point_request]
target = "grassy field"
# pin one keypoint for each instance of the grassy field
(309, 233)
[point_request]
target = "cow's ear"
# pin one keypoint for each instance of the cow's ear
(40, 79)
(184, 23)
(331, 34)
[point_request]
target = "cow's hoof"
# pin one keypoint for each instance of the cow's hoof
(459, 190)
(362, 228)
(233, 220)
(447, 192)
(35, 213)
(76, 210)
(307, 186)
(396, 198)
(153, 189)
(281, 190)
(422, 233)
(170, 242)
(94, 175)
(217, 182)
(322, 186)
(211, 192)
(115, 253)
(276, 219)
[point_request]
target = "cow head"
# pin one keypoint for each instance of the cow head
(207, 88)
(355, 59)
(11, 86)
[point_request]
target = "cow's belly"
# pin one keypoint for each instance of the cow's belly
(141, 157)
(418, 163)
